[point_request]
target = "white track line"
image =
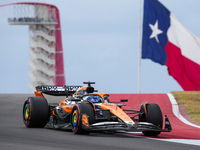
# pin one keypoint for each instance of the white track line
(181, 141)
(176, 112)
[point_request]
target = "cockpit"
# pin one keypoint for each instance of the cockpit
(93, 98)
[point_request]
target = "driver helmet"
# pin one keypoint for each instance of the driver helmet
(93, 99)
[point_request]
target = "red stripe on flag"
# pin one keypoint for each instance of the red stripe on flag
(185, 71)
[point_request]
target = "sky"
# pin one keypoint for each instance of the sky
(100, 43)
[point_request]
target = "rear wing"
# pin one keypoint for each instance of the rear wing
(57, 90)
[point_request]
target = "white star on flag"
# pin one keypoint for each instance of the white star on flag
(155, 31)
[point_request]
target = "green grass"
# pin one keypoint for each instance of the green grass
(191, 101)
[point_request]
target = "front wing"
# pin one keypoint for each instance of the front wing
(115, 126)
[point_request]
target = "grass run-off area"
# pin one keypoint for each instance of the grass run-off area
(191, 101)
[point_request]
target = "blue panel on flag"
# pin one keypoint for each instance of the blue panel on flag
(156, 22)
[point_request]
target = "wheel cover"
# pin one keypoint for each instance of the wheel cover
(74, 118)
(26, 112)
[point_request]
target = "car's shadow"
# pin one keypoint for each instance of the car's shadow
(97, 134)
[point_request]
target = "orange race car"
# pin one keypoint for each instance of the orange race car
(85, 111)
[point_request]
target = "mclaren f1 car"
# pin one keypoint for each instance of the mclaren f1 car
(84, 110)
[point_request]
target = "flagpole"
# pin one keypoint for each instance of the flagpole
(140, 45)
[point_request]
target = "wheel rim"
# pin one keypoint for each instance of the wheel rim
(74, 118)
(26, 112)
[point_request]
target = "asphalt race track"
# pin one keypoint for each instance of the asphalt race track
(14, 135)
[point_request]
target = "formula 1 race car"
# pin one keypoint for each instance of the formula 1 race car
(85, 111)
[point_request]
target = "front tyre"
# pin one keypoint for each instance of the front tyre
(154, 115)
(76, 117)
(35, 112)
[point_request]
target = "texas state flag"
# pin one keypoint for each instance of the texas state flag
(167, 42)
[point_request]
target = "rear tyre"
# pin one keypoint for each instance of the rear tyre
(154, 115)
(35, 112)
(76, 117)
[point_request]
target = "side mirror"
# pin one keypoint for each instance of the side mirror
(124, 100)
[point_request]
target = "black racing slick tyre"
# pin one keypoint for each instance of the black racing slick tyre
(35, 112)
(154, 115)
(76, 117)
